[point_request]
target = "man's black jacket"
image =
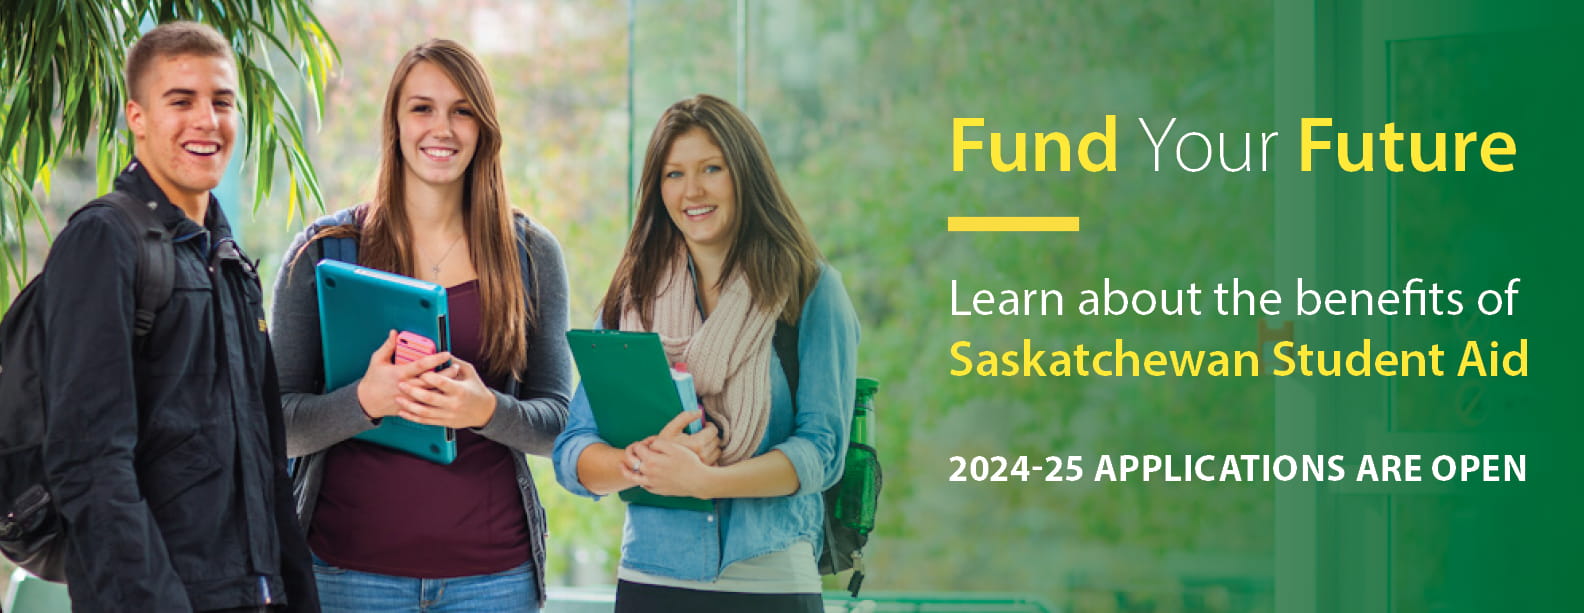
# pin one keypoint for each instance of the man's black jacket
(166, 455)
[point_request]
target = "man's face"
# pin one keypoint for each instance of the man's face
(185, 122)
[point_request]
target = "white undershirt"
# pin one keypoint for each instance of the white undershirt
(789, 571)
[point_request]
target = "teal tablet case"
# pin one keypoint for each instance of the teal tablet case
(358, 307)
(630, 389)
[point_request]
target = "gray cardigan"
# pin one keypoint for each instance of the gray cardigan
(526, 419)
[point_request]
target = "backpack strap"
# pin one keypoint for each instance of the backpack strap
(524, 260)
(523, 229)
(340, 249)
(785, 341)
(156, 265)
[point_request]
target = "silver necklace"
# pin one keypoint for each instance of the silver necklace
(435, 270)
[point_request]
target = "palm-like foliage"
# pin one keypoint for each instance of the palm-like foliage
(61, 88)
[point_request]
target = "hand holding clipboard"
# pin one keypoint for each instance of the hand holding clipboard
(632, 394)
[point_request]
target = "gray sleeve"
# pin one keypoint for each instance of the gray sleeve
(314, 420)
(531, 421)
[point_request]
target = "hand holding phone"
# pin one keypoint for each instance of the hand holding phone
(411, 347)
(377, 390)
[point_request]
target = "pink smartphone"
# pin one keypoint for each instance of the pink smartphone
(410, 347)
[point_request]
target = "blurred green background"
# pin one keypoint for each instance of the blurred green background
(856, 101)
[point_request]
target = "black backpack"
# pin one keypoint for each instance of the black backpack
(31, 529)
(844, 542)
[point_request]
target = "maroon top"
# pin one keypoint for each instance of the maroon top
(387, 512)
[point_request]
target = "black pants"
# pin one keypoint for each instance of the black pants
(643, 598)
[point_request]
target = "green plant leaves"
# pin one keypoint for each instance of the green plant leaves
(61, 84)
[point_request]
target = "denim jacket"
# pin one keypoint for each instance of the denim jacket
(695, 545)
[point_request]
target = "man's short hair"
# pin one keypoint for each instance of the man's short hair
(169, 40)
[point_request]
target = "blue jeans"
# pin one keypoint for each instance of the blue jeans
(350, 591)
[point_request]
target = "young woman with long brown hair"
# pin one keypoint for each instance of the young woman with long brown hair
(717, 257)
(392, 531)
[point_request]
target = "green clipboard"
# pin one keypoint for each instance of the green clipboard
(358, 307)
(630, 389)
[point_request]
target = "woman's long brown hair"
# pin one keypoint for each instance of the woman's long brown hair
(770, 245)
(384, 231)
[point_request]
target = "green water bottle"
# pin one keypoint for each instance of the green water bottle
(859, 483)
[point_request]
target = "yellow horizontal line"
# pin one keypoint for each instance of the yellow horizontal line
(1011, 224)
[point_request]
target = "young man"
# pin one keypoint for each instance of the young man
(166, 453)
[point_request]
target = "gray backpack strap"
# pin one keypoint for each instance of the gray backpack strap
(525, 268)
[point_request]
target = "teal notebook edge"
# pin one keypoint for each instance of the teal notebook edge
(358, 307)
(631, 392)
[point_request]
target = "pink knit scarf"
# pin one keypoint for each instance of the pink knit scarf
(728, 354)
